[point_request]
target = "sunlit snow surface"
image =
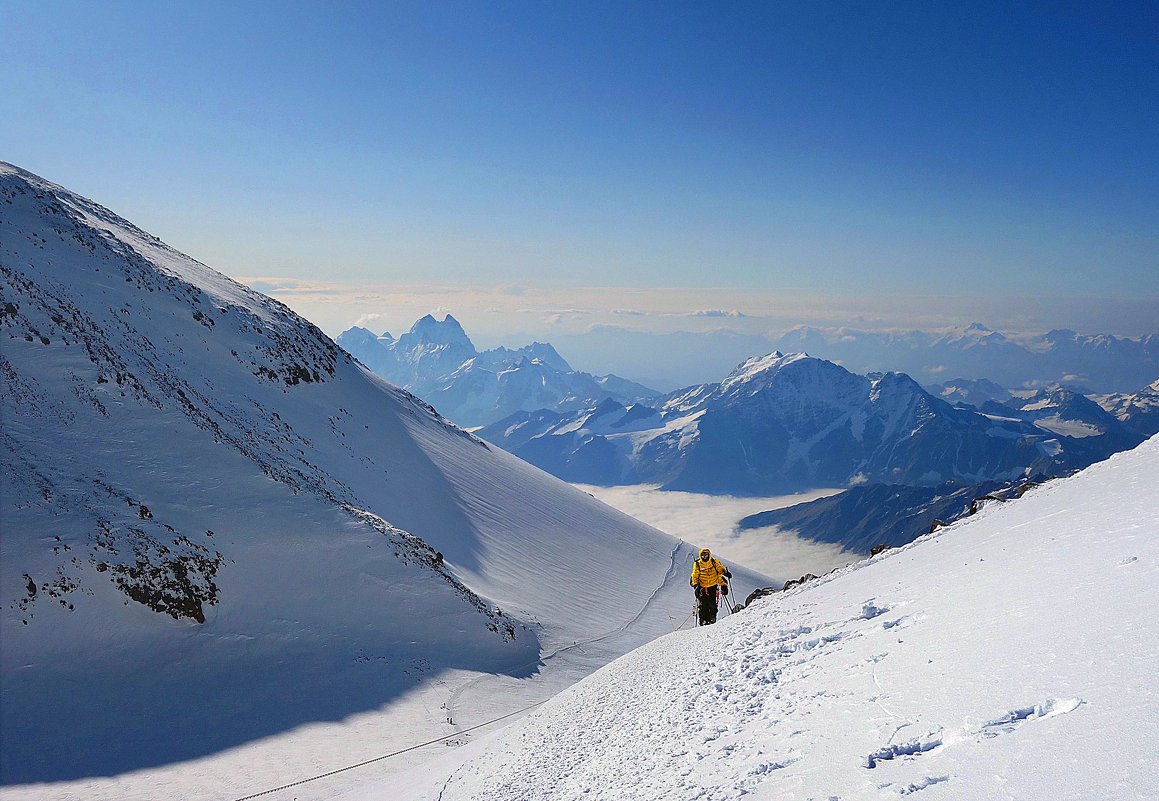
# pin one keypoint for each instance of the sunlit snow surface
(1011, 655)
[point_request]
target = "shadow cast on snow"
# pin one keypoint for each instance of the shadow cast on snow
(70, 721)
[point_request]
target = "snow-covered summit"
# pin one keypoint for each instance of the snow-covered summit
(1011, 655)
(974, 335)
(544, 352)
(750, 368)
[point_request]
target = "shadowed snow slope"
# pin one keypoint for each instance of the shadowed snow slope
(1011, 655)
(218, 527)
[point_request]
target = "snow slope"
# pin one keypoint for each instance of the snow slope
(219, 534)
(1011, 655)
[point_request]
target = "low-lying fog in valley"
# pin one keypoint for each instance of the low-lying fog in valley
(710, 521)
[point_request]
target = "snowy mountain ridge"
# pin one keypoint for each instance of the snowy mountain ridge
(782, 423)
(1063, 411)
(754, 373)
(220, 533)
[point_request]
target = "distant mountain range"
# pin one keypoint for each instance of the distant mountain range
(438, 362)
(1069, 414)
(890, 514)
(1138, 412)
(1101, 362)
(783, 423)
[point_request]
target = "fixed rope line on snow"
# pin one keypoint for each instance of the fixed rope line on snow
(385, 756)
(412, 748)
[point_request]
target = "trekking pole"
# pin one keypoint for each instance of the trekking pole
(732, 589)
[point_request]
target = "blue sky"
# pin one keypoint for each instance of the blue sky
(804, 149)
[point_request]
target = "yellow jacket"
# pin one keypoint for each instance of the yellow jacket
(708, 574)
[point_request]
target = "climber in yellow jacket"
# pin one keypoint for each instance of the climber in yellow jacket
(709, 577)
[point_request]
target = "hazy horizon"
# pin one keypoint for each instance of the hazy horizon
(668, 338)
(496, 313)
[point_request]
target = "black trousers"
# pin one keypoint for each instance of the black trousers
(706, 605)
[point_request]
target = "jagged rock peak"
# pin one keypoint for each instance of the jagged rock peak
(428, 322)
(428, 329)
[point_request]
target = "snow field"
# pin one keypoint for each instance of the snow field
(1012, 655)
